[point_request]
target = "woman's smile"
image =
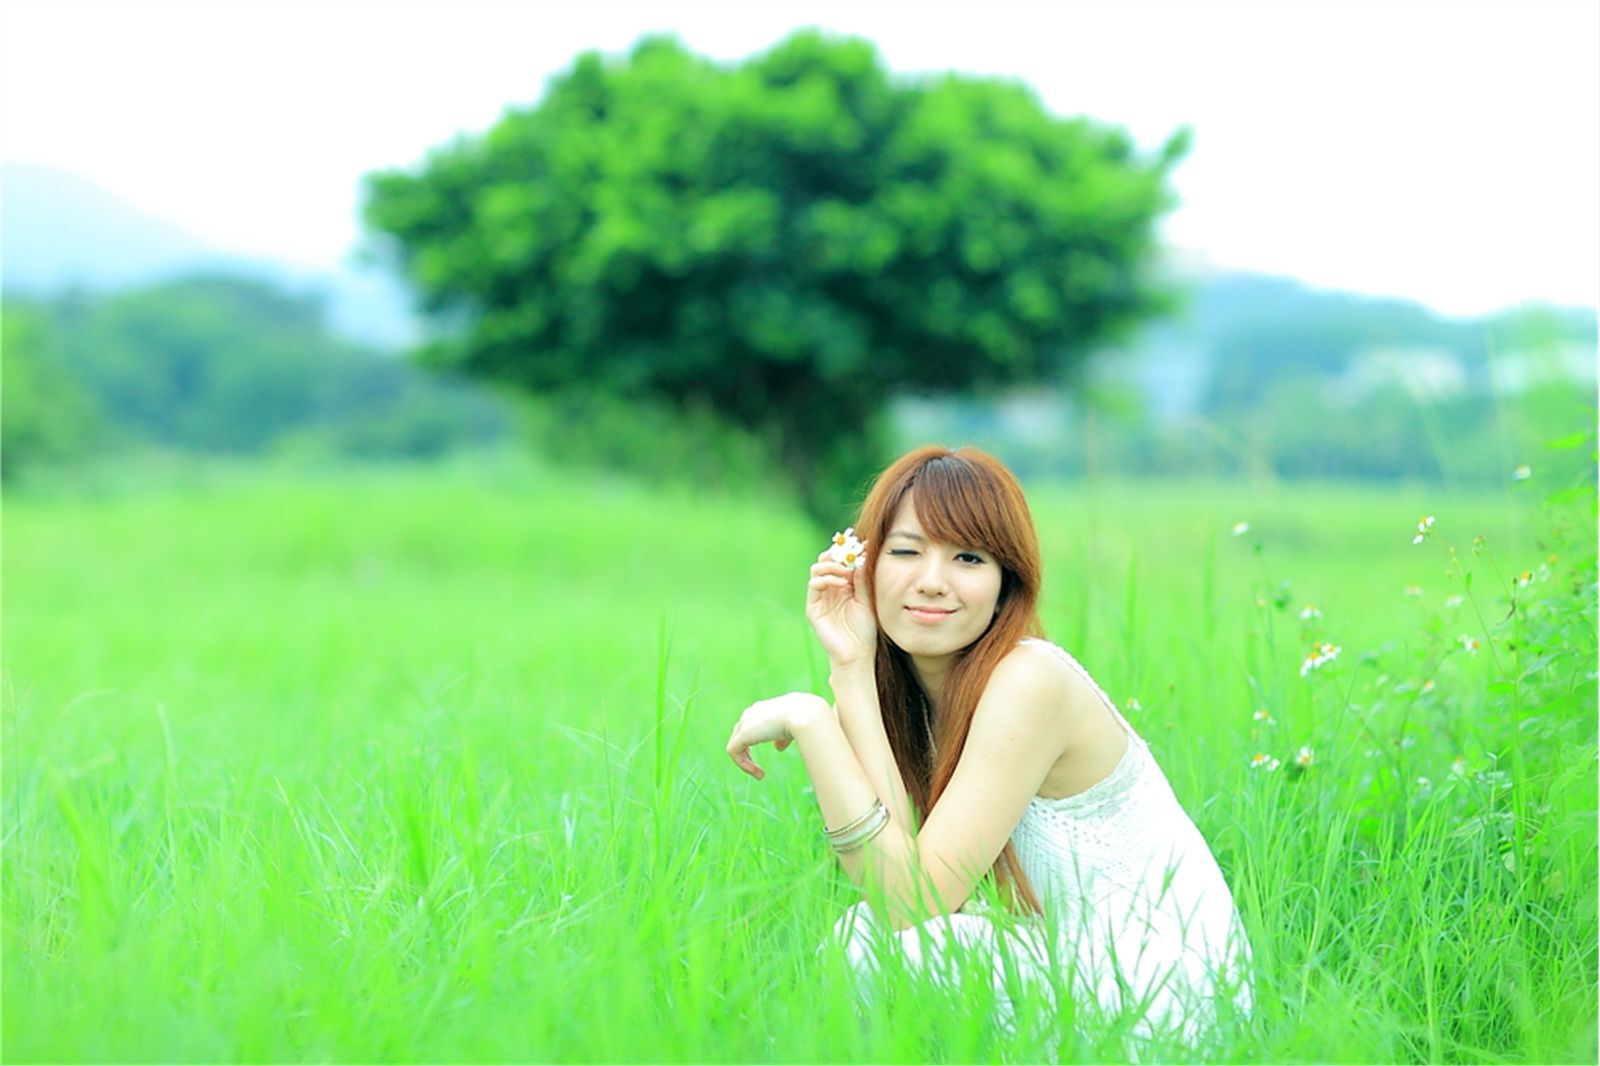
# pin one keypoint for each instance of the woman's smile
(930, 615)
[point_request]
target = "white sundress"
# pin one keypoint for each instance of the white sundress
(1134, 901)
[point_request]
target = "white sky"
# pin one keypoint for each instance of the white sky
(1444, 151)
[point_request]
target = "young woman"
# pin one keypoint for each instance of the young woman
(961, 742)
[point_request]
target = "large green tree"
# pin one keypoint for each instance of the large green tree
(784, 242)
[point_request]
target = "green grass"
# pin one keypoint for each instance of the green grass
(426, 765)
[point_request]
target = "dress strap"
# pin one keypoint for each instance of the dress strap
(1078, 667)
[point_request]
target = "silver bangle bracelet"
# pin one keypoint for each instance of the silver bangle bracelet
(854, 824)
(866, 832)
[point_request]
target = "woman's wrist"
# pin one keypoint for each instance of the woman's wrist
(813, 714)
(857, 671)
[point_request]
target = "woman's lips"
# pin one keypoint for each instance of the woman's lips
(928, 615)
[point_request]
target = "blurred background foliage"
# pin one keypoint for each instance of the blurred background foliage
(777, 273)
(780, 243)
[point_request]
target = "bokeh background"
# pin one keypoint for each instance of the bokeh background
(415, 419)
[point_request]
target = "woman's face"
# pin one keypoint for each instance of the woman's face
(932, 599)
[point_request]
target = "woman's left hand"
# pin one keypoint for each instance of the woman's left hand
(773, 721)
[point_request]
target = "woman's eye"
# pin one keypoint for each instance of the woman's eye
(901, 551)
(970, 557)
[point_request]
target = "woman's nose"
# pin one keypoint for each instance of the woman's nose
(930, 579)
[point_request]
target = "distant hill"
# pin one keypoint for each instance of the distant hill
(59, 230)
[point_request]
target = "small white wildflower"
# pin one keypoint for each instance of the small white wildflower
(846, 550)
(1522, 473)
(1320, 653)
(1133, 704)
(1524, 579)
(1241, 528)
(1263, 716)
(1470, 644)
(1413, 590)
(1543, 573)
(1309, 611)
(1406, 742)
(1495, 779)
(1452, 602)
(1262, 761)
(1458, 766)
(1423, 526)
(1424, 785)
(1305, 757)
(1427, 686)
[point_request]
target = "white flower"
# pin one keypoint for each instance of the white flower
(1241, 528)
(1470, 644)
(1427, 686)
(1424, 785)
(1310, 611)
(1453, 602)
(1524, 579)
(1413, 590)
(1305, 757)
(1458, 766)
(1423, 526)
(1263, 716)
(1133, 704)
(1522, 473)
(1320, 653)
(846, 550)
(1260, 761)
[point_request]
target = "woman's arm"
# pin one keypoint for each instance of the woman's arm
(1018, 731)
(855, 691)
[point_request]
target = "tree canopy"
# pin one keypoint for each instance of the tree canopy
(784, 241)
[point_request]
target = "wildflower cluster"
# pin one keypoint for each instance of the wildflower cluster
(1263, 761)
(1424, 526)
(1320, 653)
(846, 550)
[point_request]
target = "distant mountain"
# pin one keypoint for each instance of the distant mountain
(59, 229)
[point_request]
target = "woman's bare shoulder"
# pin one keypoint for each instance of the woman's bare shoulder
(1054, 670)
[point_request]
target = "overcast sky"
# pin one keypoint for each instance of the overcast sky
(1443, 151)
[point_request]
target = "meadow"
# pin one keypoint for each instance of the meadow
(425, 764)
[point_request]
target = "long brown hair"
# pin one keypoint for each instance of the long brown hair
(964, 497)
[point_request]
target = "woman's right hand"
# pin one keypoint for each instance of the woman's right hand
(839, 606)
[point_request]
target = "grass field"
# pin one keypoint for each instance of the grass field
(426, 765)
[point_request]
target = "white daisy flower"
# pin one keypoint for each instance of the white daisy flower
(1263, 716)
(1427, 686)
(1310, 611)
(1522, 473)
(1452, 602)
(1424, 525)
(1470, 644)
(1241, 528)
(1305, 757)
(1320, 653)
(1458, 766)
(1262, 761)
(1133, 704)
(846, 550)
(1413, 590)
(1524, 579)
